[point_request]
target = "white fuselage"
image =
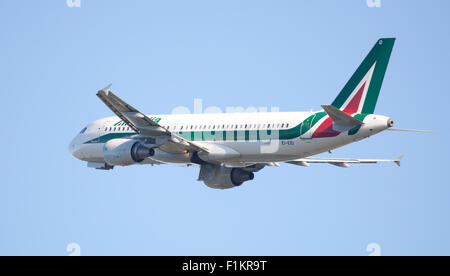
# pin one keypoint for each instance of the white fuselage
(250, 137)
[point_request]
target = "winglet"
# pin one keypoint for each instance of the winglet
(106, 89)
(397, 161)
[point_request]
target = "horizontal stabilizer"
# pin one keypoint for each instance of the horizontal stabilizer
(341, 118)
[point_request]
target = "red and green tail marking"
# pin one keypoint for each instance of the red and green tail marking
(360, 94)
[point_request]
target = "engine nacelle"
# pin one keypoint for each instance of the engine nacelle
(125, 152)
(221, 177)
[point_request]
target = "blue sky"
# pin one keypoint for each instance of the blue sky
(295, 55)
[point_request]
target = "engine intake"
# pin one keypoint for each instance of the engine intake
(239, 176)
(125, 152)
(221, 177)
(140, 152)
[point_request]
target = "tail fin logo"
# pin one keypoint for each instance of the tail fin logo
(355, 102)
(360, 93)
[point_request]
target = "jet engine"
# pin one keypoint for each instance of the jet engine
(125, 152)
(221, 177)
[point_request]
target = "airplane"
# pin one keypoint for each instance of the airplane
(230, 148)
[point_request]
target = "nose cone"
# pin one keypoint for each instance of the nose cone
(74, 149)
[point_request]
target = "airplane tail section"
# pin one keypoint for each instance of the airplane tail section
(360, 94)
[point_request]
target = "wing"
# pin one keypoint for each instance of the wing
(146, 127)
(341, 162)
(135, 119)
(410, 130)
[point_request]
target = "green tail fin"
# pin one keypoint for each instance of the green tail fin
(360, 94)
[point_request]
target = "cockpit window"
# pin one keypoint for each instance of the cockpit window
(83, 130)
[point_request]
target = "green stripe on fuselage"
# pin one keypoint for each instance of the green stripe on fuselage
(355, 130)
(311, 121)
(105, 138)
(240, 135)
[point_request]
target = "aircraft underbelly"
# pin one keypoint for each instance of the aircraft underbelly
(278, 151)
